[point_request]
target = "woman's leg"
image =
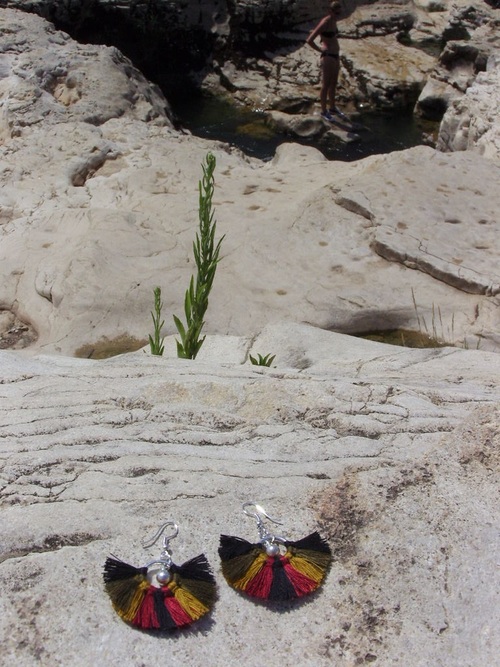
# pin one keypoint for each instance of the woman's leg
(325, 84)
(333, 80)
(329, 78)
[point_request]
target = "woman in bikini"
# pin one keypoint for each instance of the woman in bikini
(330, 65)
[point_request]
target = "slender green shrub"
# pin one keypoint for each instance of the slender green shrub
(206, 255)
(156, 341)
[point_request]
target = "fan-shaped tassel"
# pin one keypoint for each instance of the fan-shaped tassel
(186, 597)
(299, 571)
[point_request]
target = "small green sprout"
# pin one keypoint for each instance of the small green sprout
(262, 361)
(156, 341)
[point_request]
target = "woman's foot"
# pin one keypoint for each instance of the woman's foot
(326, 115)
(335, 111)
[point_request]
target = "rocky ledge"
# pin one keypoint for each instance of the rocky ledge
(392, 454)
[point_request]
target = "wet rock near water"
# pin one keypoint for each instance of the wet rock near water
(380, 73)
(312, 127)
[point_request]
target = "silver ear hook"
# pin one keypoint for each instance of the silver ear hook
(166, 538)
(165, 559)
(259, 512)
(269, 541)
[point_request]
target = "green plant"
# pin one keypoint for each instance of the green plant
(206, 255)
(155, 341)
(262, 361)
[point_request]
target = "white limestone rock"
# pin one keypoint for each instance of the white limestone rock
(472, 122)
(460, 62)
(366, 20)
(389, 453)
(72, 286)
(461, 227)
(436, 96)
(431, 6)
(48, 78)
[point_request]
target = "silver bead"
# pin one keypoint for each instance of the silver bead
(163, 577)
(272, 549)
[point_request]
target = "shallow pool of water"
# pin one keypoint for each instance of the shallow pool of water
(403, 338)
(215, 118)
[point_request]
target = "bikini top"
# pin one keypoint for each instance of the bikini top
(329, 33)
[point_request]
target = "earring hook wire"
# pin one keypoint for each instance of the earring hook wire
(259, 513)
(265, 536)
(166, 538)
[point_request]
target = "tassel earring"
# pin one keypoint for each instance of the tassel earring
(182, 594)
(274, 568)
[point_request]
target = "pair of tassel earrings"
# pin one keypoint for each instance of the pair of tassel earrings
(273, 568)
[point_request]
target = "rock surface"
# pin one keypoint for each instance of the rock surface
(383, 74)
(471, 123)
(391, 454)
(305, 238)
(302, 126)
(399, 234)
(392, 57)
(471, 38)
(47, 77)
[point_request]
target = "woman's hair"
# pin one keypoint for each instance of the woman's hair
(335, 5)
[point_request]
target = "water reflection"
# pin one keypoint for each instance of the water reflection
(216, 118)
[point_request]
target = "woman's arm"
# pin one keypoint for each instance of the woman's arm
(314, 34)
